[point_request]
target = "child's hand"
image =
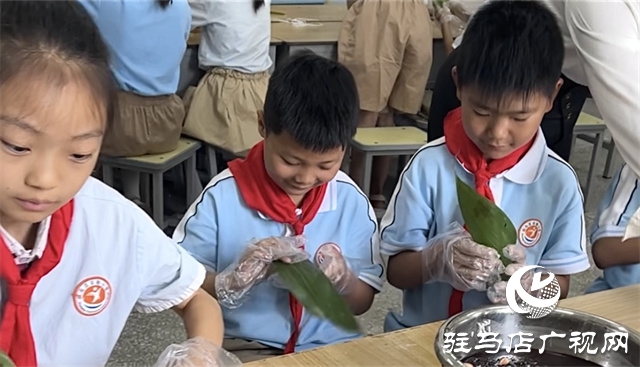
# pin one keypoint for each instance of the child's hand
(456, 259)
(233, 283)
(497, 292)
(196, 352)
(336, 268)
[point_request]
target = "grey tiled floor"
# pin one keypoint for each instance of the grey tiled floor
(145, 336)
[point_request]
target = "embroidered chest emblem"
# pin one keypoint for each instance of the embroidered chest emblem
(92, 295)
(530, 232)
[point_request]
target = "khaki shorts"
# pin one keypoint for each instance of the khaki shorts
(144, 125)
(248, 351)
(387, 46)
(223, 110)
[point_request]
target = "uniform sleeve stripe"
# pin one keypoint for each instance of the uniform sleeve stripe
(372, 218)
(386, 221)
(179, 233)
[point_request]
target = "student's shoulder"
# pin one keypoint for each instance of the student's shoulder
(556, 170)
(97, 196)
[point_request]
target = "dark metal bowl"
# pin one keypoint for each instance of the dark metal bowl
(503, 321)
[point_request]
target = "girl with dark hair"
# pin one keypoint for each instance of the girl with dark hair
(75, 256)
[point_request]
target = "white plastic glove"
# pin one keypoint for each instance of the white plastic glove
(497, 292)
(336, 268)
(233, 283)
(196, 352)
(456, 259)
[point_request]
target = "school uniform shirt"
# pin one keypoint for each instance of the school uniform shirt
(602, 52)
(219, 226)
(233, 36)
(540, 194)
(618, 205)
(147, 42)
(115, 260)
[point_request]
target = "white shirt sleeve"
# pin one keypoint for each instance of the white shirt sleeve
(607, 38)
(167, 273)
(201, 12)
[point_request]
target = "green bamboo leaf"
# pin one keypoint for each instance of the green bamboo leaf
(316, 293)
(486, 223)
(5, 361)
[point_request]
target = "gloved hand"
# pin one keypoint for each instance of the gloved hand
(234, 282)
(196, 352)
(335, 267)
(453, 257)
(497, 291)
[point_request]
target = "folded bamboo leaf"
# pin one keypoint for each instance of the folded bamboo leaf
(316, 293)
(486, 223)
(5, 361)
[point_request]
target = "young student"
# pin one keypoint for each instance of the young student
(619, 260)
(289, 185)
(75, 256)
(387, 45)
(507, 75)
(147, 40)
(234, 51)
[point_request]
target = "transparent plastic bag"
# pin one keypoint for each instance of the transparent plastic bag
(196, 352)
(234, 283)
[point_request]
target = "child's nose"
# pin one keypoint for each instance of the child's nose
(499, 128)
(43, 175)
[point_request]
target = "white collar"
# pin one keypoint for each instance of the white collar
(24, 256)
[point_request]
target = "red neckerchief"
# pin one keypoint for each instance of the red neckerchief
(262, 194)
(472, 159)
(16, 338)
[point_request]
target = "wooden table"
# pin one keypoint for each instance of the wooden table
(414, 347)
(311, 13)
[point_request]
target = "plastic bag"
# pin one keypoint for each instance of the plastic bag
(234, 283)
(196, 352)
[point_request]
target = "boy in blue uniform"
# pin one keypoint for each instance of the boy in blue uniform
(289, 185)
(619, 260)
(507, 75)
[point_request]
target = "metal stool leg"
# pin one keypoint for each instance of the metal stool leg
(212, 161)
(194, 187)
(592, 164)
(611, 147)
(368, 162)
(158, 198)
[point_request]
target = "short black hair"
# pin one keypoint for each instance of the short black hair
(313, 99)
(511, 48)
(57, 37)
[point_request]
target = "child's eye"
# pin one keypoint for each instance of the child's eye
(80, 158)
(289, 163)
(14, 148)
(483, 114)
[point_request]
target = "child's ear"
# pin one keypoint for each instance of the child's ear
(454, 75)
(261, 129)
(555, 95)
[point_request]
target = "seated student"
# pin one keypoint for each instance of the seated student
(147, 40)
(234, 52)
(620, 261)
(289, 184)
(76, 257)
(507, 76)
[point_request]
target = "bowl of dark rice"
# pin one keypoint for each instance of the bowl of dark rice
(495, 336)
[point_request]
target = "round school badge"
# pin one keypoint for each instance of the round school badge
(325, 250)
(530, 232)
(92, 295)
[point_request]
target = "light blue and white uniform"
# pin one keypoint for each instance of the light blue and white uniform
(540, 194)
(219, 226)
(618, 205)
